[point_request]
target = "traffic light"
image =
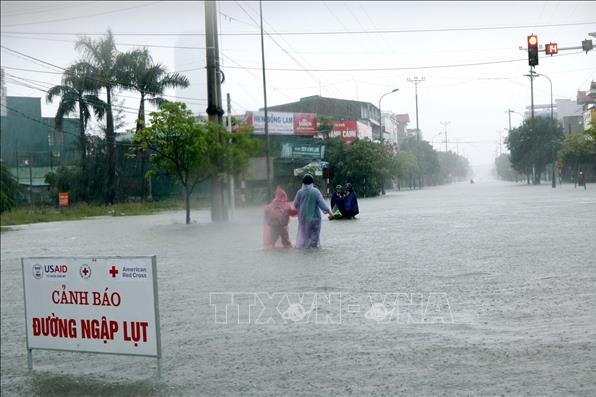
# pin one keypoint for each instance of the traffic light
(533, 50)
(587, 45)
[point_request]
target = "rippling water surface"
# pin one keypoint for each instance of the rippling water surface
(509, 269)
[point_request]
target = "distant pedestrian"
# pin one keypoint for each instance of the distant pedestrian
(309, 202)
(277, 217)
(581, 180)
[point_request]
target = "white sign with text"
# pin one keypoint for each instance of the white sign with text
(102, 305)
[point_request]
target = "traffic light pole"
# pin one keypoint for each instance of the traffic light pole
(532, 90)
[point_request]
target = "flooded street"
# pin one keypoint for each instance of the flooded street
(506, 274)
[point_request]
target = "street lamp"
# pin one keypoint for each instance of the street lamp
(554, 182)
(381, 113)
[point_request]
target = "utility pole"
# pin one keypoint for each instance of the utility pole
(214, 101)
(445, 124)
(29, 162)
(268, 143)
(552, 119)
(531, 76)
(416, 80)
(230, 176)
(509, 114)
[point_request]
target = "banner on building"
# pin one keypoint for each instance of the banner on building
(350, 130)
(101, 305)
(302, 151)
(282, 123)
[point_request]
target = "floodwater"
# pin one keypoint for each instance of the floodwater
(506, 272)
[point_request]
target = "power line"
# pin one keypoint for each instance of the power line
(37, 10)
(116, 43)
(310, 33)
(30, 70)
(80, 16)
(401, 68)
(33, 58)
(130, 86)
(464, 50)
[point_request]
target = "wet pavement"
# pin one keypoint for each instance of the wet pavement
(504, 276)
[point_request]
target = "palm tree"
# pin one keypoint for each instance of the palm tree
(78, 90)
(150, 80)
(107, 65)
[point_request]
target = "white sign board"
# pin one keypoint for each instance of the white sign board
(101, 305)
(281, 123)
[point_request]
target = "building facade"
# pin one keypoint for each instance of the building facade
(339, 109)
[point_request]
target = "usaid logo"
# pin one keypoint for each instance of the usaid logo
(55, 269)
(37, 271)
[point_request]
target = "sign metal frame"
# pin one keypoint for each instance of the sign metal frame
(153, 258)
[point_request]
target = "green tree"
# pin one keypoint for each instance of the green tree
(108, 70)
(150, 80)
(577, 149)
(364, 164)
(226, 154)
(504, 169)
(451, 165)
(533, 144)
(9, 189)
(426, 157)
(177, 145)
(78, 91)
(192, 152)
(407, 167)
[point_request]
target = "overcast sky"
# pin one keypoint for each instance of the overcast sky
(468, 52)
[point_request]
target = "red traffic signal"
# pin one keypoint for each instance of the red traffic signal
(533, 50)
(551, 49)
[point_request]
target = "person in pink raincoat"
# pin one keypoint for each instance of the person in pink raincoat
(277, 217)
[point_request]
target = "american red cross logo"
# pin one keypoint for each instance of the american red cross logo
(85, 271)
(113, 271)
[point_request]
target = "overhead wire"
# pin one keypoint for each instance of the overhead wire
(81, 16)
(310, 33)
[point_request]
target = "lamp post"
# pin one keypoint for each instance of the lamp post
(28, 163)
(381, 113)
(552, 118)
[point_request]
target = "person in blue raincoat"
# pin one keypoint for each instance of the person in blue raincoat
(350, 203)
(309, 202)
(337, 199)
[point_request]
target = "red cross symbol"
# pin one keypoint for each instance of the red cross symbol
(85, 271)
(113, 271)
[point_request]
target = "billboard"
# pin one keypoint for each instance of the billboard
(282, 123)
(99, 305)
(350, 130)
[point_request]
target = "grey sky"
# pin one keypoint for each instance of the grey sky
(421, 39)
